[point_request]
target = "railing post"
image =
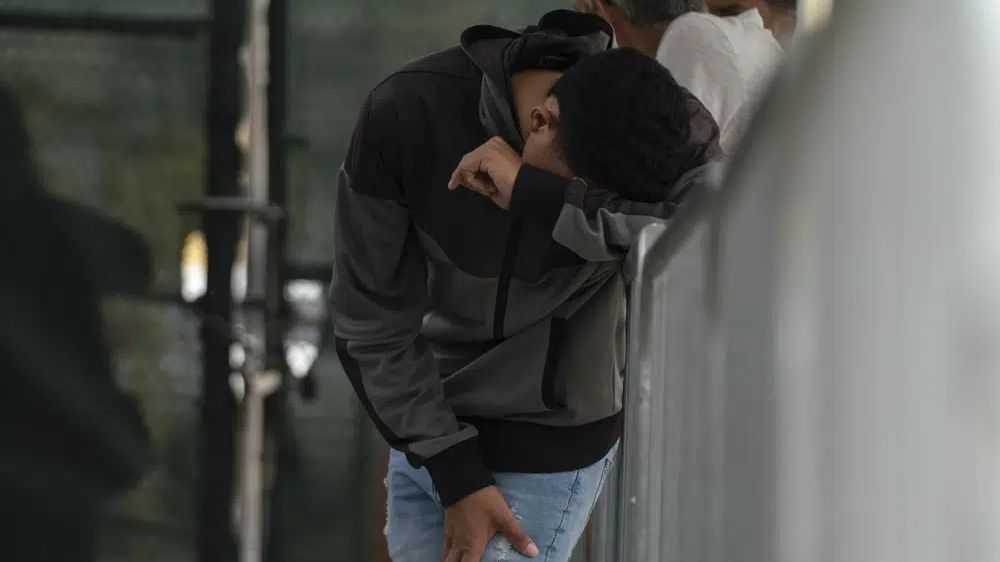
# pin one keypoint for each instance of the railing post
(608, 519)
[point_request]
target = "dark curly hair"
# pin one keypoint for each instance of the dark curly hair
(627, 126)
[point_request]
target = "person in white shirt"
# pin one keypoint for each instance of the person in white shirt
(726, 62)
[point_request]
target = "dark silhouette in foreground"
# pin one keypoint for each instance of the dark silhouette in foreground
(69, 438)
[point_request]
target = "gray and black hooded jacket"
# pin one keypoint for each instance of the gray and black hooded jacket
(479, 339)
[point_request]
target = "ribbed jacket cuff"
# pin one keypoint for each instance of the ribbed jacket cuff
(538, 194)
(459, 471)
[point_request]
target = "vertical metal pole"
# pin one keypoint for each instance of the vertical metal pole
(275, 406)
(252, 484)
(277, 100)
(218, 408)
(260, 381)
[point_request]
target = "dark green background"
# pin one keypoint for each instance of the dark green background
(118, 124)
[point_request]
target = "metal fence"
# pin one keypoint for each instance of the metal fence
(813, 370)
(663, 505)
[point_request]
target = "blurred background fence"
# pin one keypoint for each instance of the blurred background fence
(115, 95)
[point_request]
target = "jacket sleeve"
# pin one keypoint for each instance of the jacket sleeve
(597, 223)
(378, 299)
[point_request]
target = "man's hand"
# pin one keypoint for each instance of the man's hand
(471, 523)
(489, 170)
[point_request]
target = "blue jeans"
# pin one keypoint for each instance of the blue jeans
(553, 510)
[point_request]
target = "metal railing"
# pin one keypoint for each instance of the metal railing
(671, 401)
(813, 370)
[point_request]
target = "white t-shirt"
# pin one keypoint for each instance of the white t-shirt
(726, 62)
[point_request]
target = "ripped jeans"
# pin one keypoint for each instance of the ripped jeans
(553, 510)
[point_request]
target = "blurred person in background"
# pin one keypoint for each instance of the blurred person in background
(726, 61)
(485, 336)
(781, 17)
(70, 438)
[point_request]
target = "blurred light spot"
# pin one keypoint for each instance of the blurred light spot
(304, 290)
(238, 279)
(194, 267)
(238, 386)
(237, 356)
(300, 357)
(815, 14)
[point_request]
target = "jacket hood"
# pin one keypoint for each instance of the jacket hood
(557, 42)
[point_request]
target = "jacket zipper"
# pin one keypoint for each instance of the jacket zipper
(506, 271)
